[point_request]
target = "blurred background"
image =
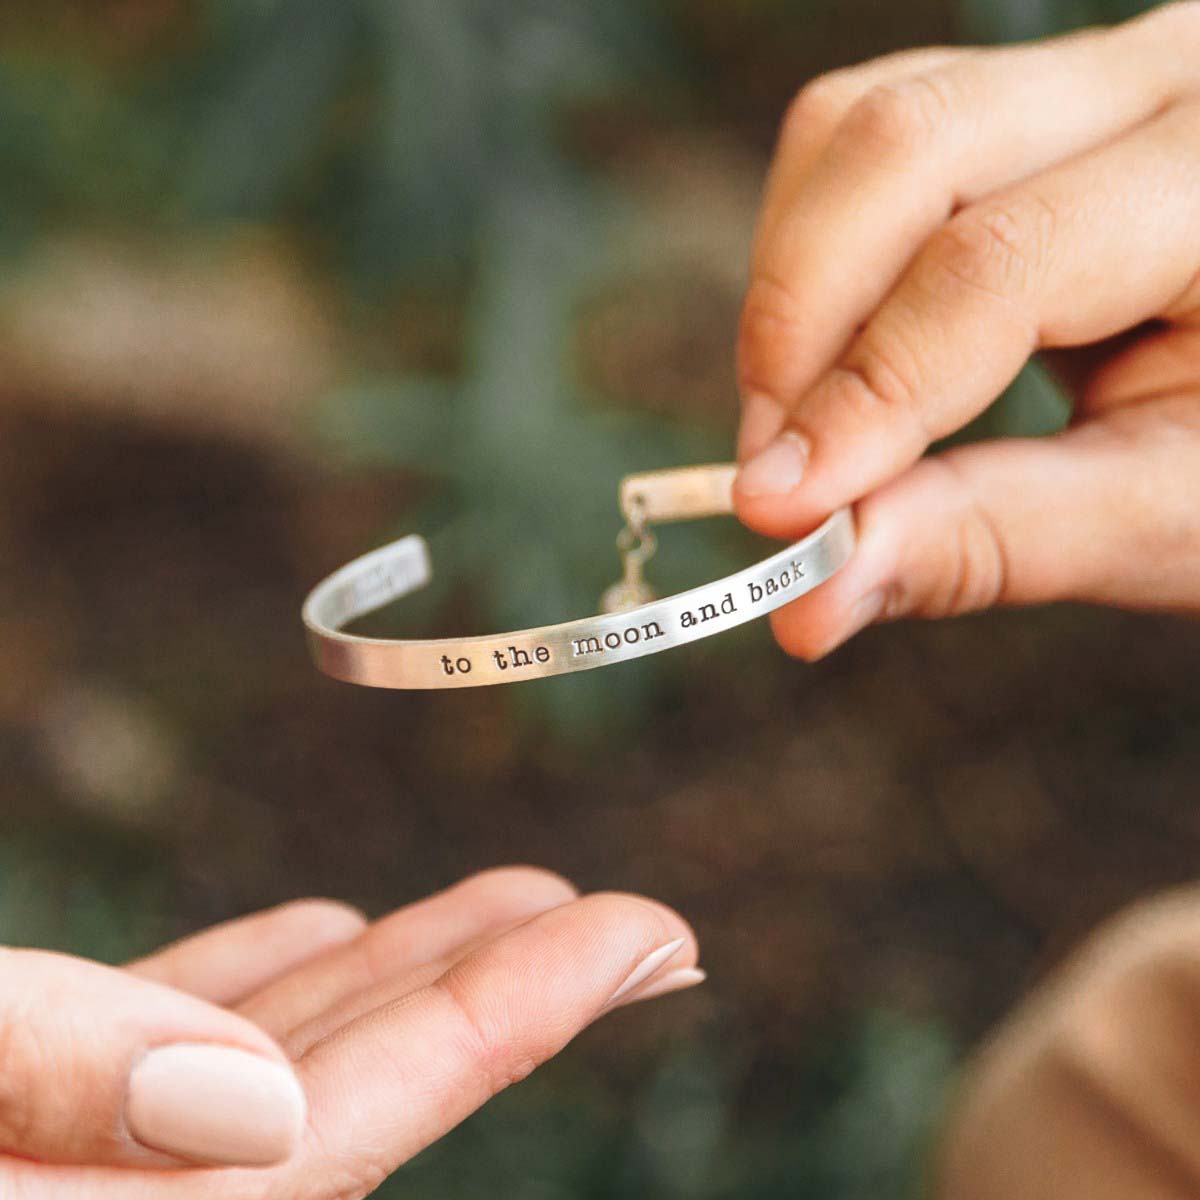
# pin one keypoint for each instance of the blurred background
(281, 279)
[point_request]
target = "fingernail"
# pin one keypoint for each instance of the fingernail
(762, 419)
(865, 611)
(215, 1104)
(776, 470)
(672, 981)
(650, 965)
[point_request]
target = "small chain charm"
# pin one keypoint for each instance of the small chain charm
(637, 545)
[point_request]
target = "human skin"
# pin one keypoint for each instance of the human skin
(302, 1053)
(931, 220)
(1090, 1090)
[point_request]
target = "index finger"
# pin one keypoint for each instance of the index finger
(395, 1079)
(910, 153)
(1031, 267)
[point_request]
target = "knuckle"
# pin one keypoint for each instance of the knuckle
(878, 384)
(481, 1043)
(996, 248)
(817, 107)
(901, 119)
(977, 575)
(982, 572)
(500, 1054)
(772, 317)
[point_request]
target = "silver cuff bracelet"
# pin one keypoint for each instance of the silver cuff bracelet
(633, 623)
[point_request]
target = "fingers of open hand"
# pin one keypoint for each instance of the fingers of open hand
(395, 1078)
(842, 223)
(229, 961)
(431, 929)
(111, 1067)
(455, 997)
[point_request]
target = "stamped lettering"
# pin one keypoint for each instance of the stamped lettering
(518, 658)
(774, 584)
(613, 641)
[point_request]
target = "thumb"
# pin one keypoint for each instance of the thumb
(100, 1067)
(1108, 512)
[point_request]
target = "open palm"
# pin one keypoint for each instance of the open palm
(306, 1053)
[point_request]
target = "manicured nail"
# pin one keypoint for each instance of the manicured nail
(650, 965)
(776, 470)
(672, 981)
(215, 1104)
(762, 419)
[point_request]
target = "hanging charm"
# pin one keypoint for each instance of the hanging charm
(637, 545)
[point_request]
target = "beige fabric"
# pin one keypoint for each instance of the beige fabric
(1092, 1091)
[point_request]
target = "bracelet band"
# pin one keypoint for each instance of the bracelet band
(635, 629)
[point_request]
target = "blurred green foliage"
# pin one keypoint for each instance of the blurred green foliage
(857, 1130)
(989, 21)
(85, 892)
